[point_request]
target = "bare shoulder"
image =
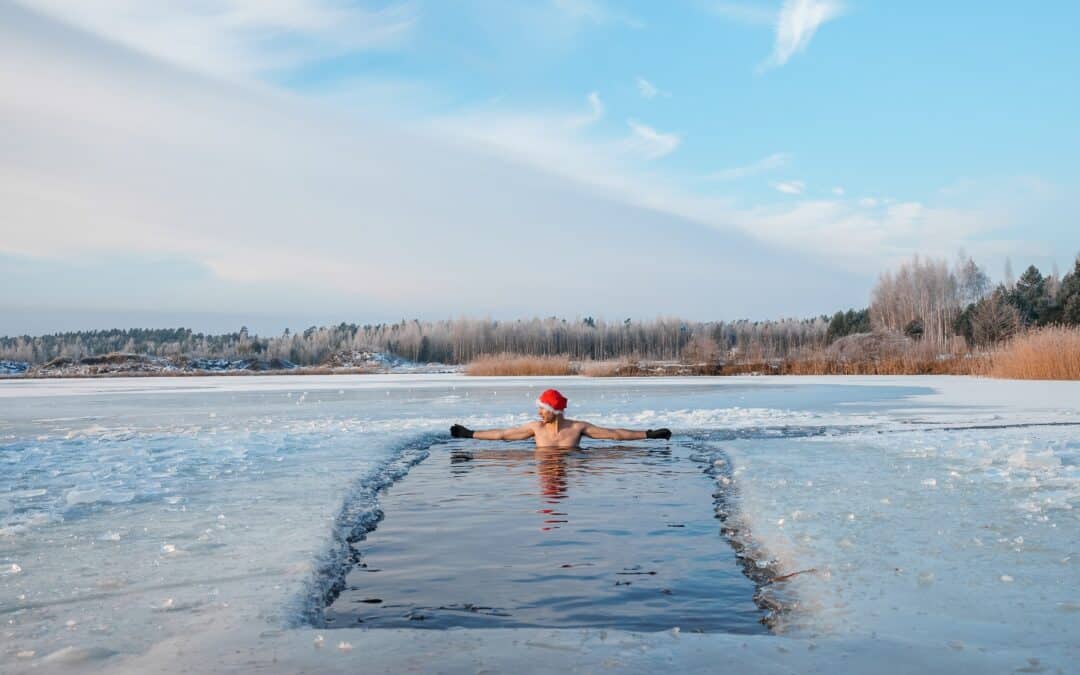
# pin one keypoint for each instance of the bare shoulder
(578, 424)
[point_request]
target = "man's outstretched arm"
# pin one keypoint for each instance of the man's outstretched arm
(511, 434)
(593, 431)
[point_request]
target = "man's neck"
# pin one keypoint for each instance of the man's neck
(554, 424)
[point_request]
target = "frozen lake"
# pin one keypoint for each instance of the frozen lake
(199, 523)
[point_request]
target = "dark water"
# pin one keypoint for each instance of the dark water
(483, 536)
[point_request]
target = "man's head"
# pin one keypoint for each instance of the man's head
(550, 405)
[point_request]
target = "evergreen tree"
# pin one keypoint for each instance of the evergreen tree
(1071, 312)
(847, 323)
(837, 327)
(1068, 297)
(858, 322)
(1029, 296)
(963, 324)
(915, 329)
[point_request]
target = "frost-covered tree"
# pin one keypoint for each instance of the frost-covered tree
(701, 348)
(451, 341)
(925, 291)
(974, 283)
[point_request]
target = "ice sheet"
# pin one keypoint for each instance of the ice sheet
(176, 523)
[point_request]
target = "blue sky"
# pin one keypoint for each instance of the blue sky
(882, 100)
(282, 162)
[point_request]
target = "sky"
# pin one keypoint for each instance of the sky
(282, 163)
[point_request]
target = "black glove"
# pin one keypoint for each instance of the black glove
(458, 431)
(658, 433)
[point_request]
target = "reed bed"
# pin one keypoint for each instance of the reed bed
(884, 354)
(968, 365)
(619, 368)
(1051, 353)
(520, 364)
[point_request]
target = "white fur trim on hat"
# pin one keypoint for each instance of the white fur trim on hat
(547, 407)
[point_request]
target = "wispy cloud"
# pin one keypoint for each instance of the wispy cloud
(646, 89)
(565, 142)
(777, 160)
(240, 37)
(796, 25)
(866, 238)
(596, 108)
(649, 142)
(790, 187)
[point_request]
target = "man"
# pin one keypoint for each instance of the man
(553, 430)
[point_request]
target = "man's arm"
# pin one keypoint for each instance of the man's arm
(510, 434)
(593, 431)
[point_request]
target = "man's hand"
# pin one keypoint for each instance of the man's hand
(658, 433)
(458, 431)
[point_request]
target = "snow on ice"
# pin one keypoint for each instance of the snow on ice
(913, 523)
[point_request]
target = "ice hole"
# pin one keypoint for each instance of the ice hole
(486, 536)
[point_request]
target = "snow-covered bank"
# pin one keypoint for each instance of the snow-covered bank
(934, 536)
(172, 524)
(525, 650)
(144, 365)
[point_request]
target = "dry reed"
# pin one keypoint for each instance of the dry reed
(966, 365)
(519, 364)
(1051, 353)
(881, 354)
(607, 368)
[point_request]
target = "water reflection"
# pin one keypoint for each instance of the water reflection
(555, 470)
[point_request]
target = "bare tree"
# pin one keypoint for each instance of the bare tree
(920, 292)
(973, 281)
(993, 320)
(701, 349)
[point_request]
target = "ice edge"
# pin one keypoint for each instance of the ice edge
(360, 513)
(756, 563)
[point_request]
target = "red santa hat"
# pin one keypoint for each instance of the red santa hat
(553, 401)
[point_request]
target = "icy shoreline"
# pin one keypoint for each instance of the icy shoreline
(143, 365)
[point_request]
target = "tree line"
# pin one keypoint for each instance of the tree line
(451, 341)
(924, 299)
(929, 300)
